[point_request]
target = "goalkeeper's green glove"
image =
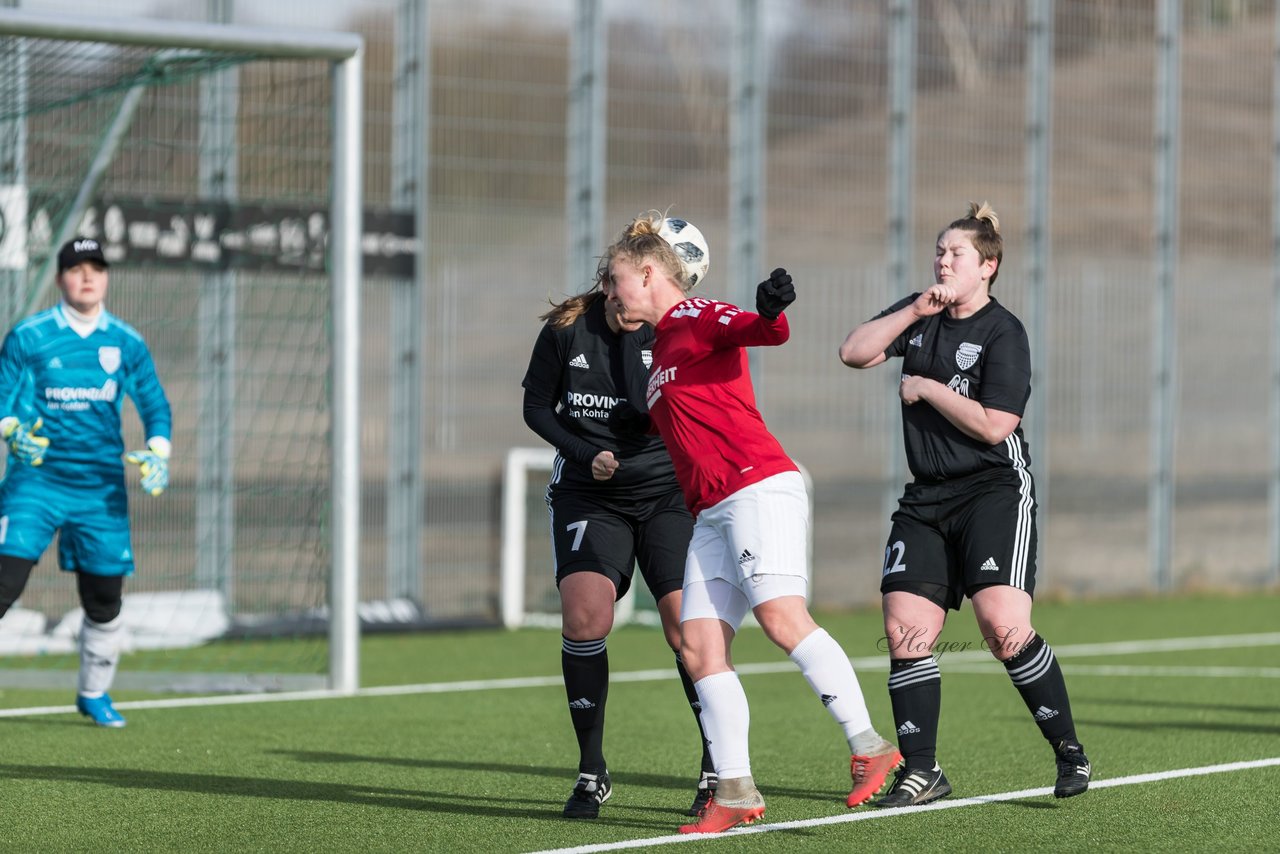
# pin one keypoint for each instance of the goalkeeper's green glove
(23, 441)
(153, 465)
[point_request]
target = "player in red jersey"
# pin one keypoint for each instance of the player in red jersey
(749, 550)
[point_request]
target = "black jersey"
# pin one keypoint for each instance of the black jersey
(986, 358)
(585, 393)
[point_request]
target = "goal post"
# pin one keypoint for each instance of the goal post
(528, 598)
(525, 473)
(102, 133)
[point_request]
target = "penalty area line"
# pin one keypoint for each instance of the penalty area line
(897, 812)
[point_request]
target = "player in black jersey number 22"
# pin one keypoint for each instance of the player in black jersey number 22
(966, 524)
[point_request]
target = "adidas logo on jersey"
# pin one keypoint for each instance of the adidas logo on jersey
(989, 565)
(55, 364)
(582, 703)
(1044, 713)
(908, 728)
(917, 341)
(579, 361)
(745, 558)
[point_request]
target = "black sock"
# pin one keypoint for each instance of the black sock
(915, 689)
(586, 681)
(691, 693)
(1038, 678)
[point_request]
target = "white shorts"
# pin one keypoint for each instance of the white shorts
(750, 548)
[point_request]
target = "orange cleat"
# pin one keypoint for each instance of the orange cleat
(869, 774)
(717, 818)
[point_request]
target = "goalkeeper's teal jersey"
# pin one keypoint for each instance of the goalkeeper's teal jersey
(78, 385)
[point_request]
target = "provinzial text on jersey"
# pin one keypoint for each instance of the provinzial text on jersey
(71, 399)
(590, 405)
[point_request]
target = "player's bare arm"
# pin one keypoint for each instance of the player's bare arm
(970, 417)
(864, 347)
(934, 300)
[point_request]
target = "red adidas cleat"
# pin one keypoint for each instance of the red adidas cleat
(717, 818)
(869, 774)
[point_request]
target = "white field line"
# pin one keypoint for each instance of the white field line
(973, 661)
(871, 815)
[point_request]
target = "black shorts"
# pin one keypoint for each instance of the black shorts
(595, 533)
(951, 539)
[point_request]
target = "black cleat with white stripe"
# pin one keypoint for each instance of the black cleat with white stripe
(913, 787)
(1074, 770)
(589, 793)
(705, 792)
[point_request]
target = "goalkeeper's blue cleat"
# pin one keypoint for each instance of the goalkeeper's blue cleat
(100, 710)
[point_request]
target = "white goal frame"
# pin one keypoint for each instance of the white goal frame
(345, 53)
(519, 463)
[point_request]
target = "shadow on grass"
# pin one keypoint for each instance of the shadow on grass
(1261, 708)
(523, 809)
(1031, 803)
(567, 773)
(64, 720)
(1198, 726)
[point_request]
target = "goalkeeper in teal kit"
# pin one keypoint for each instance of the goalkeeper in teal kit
(64, 374)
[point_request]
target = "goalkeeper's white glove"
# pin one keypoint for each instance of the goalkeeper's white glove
(153, 465)
(23, 441)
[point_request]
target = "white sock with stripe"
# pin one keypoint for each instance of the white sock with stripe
(99, 655)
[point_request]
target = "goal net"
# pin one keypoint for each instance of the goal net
(208, 161)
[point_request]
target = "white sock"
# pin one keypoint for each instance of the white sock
(99, 655)
(827, 670)
(726, 718)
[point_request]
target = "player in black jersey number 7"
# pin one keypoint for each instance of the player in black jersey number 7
(613, 500)
(966, 525)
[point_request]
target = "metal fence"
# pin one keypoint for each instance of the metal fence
(1127, 146)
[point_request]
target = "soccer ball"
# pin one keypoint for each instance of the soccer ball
(690, 246)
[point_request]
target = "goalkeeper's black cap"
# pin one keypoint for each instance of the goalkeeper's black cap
(78, 251)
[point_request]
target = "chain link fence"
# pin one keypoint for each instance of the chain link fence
(497, 253)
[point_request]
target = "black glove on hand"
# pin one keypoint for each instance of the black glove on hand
(775, 294)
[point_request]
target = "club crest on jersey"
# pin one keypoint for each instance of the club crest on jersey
(967, 355)
(646, 356)
(109, 358)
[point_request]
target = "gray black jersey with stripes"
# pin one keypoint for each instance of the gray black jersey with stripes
(984, 357)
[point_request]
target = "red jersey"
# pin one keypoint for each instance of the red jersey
(701, 400)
